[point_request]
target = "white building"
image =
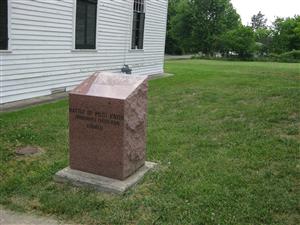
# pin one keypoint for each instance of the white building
(52, 45)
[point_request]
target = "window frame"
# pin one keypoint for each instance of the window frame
(74, 49)
(8, 50)
(131, 28)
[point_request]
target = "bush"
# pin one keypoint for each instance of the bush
(293, 55)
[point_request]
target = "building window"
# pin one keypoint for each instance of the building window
(3, 25)
(86, 22)
(137, 40)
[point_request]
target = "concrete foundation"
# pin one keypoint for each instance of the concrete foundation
(101, 183)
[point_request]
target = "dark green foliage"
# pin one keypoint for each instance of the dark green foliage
(226, 137)
(286, 35)
(292, 56)
(172, 46)
(263, 38)
(295, 54)
(240, 41)
(204, 26)
(182, 25)
(212, 18)
(197, 25)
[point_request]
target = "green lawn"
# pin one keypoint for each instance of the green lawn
(226, 136)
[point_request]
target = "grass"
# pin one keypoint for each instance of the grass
(226, 136)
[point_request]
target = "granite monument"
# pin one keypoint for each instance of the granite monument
(107, 126)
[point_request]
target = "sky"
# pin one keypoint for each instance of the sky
(270, 8)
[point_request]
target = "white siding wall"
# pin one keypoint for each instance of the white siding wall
(42, 40)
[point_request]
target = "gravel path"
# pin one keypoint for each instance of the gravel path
(8, 217)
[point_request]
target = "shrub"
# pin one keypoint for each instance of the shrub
(295, 54)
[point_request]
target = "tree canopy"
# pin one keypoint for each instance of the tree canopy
(214, 26)
(286, 34)
(258, 21)
(196, 25)
(240, 40)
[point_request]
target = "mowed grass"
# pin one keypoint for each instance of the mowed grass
(225, 134)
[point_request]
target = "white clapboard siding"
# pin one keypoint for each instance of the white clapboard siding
(41, 57)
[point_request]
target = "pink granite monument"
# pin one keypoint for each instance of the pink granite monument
(108, 125)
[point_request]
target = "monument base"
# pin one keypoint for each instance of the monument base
(101, 183)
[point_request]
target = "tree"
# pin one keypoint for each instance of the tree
(172, 46)
(240, 41)
(210, 19)
(286, 34)
(258, 21)
(181, 26)
(196, 25)
(263, 38)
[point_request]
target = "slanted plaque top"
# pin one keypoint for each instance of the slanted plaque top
(109, 85)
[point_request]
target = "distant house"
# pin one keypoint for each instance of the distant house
(52, 45)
